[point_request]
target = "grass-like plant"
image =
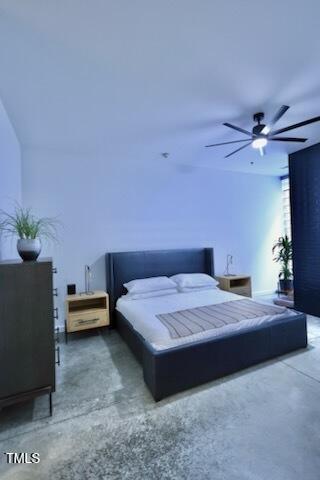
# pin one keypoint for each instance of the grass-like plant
(24, 224)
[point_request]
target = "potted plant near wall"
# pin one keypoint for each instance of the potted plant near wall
(282, 250)
(29, 230)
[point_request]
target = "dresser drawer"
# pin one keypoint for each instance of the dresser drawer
(83, 321)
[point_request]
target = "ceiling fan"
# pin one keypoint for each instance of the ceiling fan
(262, 134)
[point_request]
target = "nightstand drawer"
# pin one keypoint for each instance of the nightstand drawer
(83, 321)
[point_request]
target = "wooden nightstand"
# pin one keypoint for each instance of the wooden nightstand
(239, 284)
(85, 311)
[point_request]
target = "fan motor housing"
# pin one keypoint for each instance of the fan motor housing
(257, 129)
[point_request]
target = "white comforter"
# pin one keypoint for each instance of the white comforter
(142, 316)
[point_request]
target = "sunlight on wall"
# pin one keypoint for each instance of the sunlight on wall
(265, 266)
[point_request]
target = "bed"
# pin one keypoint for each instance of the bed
(170, 366)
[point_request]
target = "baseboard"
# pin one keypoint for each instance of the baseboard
(263, 292)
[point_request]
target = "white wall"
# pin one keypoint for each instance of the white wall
(10, 177)
(115, 206)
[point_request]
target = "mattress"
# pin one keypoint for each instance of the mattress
(142, 315)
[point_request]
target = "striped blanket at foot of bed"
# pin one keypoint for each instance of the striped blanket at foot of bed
(194, 320)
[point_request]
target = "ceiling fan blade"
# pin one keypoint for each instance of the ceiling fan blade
(226, 143)
(282, 110)
(287, 139)
(296, 125)
(238, 149)
(238, 129)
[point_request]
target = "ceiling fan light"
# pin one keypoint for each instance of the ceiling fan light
(259, 143)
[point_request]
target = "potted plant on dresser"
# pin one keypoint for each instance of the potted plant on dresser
(282, 250)
(29, 230)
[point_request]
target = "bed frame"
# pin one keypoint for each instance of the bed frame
(170, 371)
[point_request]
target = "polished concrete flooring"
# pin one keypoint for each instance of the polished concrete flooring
(260, 424)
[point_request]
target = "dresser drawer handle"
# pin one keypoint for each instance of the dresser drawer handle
(54, 270)
(55, 292)
(58, 355)
(84, 322)
(57, 333)
(56, 313)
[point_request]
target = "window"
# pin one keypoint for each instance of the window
(286, 206)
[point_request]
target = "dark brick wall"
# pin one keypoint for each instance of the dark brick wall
(304, 170)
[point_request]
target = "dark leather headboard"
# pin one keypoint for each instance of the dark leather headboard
(121, 267)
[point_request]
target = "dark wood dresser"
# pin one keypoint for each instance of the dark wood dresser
(27, 343)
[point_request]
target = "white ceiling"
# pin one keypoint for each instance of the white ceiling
(137, 78)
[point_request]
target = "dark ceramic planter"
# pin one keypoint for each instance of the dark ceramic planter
(286, 285)
(29, 249)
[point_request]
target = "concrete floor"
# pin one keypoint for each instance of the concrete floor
(263, 423)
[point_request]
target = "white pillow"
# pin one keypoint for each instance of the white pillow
(152, 284)
(158, 293)
(196, 289)
(194, 280)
